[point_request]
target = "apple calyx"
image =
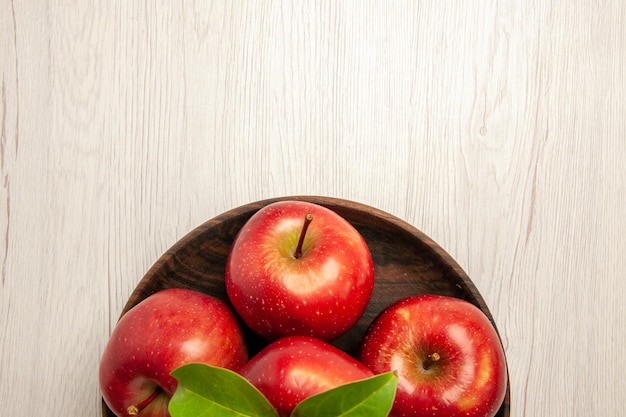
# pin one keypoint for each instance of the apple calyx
(135, 409)
(431, 358)
(307, 220)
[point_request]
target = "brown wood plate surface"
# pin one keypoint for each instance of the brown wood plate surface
(406, 262)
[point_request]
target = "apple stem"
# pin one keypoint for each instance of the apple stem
(134, 409)
(307, 220)
(430, 360)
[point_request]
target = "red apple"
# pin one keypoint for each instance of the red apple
(294, 368)
(297, 268)
(446, 354)
(168, 329)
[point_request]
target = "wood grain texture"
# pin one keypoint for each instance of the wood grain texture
(496, 127)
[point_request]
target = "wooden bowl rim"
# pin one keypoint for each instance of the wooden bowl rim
(330, 202)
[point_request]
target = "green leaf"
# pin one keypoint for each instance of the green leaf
(205, 390)
(371, 397)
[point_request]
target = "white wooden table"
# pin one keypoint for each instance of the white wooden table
(496, 127)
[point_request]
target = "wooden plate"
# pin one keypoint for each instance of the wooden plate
(406, 262)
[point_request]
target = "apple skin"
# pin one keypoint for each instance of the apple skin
(321, 294)
(469, 378)
(168, 329)
(293, 368)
